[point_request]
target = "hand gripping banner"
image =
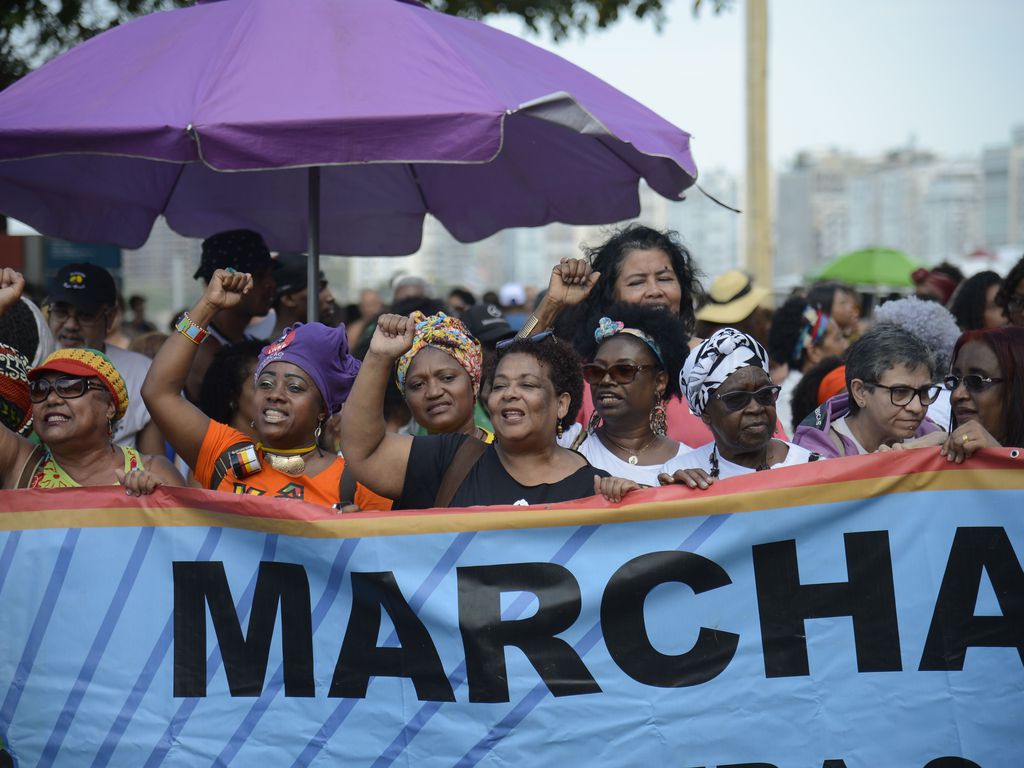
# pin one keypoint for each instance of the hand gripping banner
(854, 612)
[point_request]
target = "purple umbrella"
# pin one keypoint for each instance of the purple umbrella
(263, 113)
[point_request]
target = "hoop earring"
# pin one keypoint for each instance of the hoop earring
(658, 422)
(595, 422)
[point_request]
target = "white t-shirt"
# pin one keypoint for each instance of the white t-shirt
(600, 456)
(941, 410)
(133, 368)
(700, 458)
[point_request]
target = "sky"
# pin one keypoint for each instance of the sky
(863, 76)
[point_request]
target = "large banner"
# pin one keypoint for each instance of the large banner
(856, 612)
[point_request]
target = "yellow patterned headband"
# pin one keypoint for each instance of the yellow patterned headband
(87, 362)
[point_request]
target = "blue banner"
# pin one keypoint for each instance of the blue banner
(858, 612)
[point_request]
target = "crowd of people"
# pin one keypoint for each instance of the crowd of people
(625, 372)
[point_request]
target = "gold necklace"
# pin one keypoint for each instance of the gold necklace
(289, 461)
(633, 455)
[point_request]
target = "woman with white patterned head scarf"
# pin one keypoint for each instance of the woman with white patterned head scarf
(727, 384)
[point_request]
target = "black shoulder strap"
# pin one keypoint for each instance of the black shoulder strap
(347, 487)
(223, 464)
(28, 469)
(466, 456)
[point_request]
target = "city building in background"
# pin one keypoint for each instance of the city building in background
(966, 210)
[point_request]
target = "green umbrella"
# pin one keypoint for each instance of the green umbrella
(871, 266)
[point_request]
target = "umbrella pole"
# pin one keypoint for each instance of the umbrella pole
(313, 262)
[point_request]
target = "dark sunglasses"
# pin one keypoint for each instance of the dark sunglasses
(903, 395)
(620, 373)
(509, 342)
(66, 387)
(973, 381)
(737, 401)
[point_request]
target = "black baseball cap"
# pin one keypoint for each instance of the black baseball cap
(487, 323)
(83, 286)
(291, 274)
(240, 249)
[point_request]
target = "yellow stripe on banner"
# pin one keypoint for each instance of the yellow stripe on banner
(687, 503)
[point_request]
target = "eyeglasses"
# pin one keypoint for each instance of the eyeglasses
(63, 312)
(904, 395)
(66, 387)
(737, 401)
(620, 373)
(509, 342)
(973, 381)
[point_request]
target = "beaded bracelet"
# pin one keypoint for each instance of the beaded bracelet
(187, 328)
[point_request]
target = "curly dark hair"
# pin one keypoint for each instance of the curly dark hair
(607, 259)
(564, 365)
(968, 303)
(18, 330)
(1008, 345)
(1009, 286)
(222, 385)
(787, 323)
(805, 393)
(667, 330)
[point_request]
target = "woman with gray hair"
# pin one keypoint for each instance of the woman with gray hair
(935, 325)
(890, 382)
(727, 385)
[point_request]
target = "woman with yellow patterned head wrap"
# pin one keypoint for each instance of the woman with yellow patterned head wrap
(76, 396)
(440, 376)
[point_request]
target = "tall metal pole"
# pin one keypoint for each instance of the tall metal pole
(758, 229)
(313, 262)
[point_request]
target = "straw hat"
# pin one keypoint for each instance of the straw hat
(732, 298)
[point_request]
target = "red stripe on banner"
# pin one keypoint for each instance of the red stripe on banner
(831, 480)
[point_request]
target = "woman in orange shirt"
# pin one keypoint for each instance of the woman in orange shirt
(301, 380)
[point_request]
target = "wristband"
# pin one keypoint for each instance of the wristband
(187, 328)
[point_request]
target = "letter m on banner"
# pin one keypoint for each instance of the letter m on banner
(201, 584)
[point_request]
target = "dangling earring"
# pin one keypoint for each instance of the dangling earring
(558, 429)
(110, 429)
(595, 422)
(659, 424)
(316, 432)
(252, 424)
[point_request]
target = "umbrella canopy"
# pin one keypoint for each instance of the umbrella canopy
(871, 267)
(211, 116)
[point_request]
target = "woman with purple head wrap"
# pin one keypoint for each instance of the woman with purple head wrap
(301, 380)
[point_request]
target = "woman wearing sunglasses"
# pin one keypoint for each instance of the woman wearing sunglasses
(76, 396)
(535, 393)
(986, 384)
(727, 384)
(632, 351)
(890, 382)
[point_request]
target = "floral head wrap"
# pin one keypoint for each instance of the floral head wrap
(447, 334)
(606, 328)
(716, 359)
(812, 330)
(89, 363)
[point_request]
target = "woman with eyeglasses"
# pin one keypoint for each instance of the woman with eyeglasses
(986, 383)
(76, 396)
(535, 393)
(728, 386)
(890, 382)
(634, 352)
